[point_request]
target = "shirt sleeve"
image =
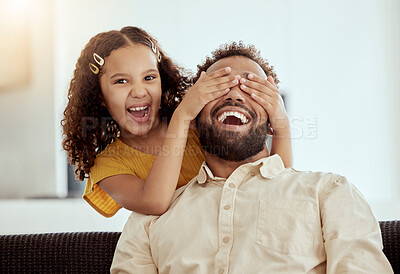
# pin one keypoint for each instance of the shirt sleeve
(108, 165)
(133, 254)
(352, 236)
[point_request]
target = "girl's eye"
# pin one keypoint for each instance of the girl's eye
(149, 78)
(121, 81)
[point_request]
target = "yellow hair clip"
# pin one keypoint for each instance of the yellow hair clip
(93, 68)
(99, 61)
(159, 57)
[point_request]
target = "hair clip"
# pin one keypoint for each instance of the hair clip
(159, 57)
(153, 47)
(98, 59)
(93, 68)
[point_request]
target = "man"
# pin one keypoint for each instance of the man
(246, 213)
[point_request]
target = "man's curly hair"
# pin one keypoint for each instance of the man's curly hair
(237, 49)
(87, 125)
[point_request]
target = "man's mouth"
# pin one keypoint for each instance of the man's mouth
(232, 118)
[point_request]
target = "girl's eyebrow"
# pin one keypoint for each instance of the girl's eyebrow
(151, 70)
(120, 74)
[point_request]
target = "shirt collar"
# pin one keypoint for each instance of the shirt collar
(269, 168)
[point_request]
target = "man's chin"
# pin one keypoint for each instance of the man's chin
(231, 136)
(230, 145)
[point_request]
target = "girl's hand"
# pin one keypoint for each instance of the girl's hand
(266, 93)
(207, 88)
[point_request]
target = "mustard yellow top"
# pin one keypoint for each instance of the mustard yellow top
(119, 158)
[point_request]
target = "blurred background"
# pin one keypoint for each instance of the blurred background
(338, 62)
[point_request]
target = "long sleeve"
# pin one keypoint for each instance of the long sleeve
(133, 254)
(352, 236)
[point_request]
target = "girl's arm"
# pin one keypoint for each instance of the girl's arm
(153, 196)
(265, 92)
(282, 145)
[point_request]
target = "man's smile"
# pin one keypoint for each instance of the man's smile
(232, 116)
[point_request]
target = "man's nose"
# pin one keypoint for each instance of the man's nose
(235, 95)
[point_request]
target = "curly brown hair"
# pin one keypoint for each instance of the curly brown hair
(87, 125)
(237, 49)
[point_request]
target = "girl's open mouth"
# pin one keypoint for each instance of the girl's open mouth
(140, 114)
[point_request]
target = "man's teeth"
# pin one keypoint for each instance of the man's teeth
(138, 108)
(236, 114)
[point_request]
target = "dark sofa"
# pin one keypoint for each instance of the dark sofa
(92, 252)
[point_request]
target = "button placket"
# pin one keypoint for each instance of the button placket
(225, 226)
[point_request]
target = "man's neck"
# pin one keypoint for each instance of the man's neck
(223, 168)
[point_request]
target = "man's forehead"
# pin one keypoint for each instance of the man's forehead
(239, 64)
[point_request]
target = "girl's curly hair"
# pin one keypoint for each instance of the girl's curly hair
(87, 125)
(236, 49)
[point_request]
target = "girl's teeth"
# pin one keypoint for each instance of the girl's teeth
(138, 108)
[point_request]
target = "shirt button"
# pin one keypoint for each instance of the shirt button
(232, 185)
(226, 240)
(221, 271)
(253, 174)
(227, 207)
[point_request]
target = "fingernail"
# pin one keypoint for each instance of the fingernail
(250, 76)
(243, 80)
(235, 81)
(237, 77)
(227, 69)
(243, 86)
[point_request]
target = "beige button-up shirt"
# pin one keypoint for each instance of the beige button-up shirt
(262, 219)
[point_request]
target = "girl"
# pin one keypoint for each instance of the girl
(126, 123)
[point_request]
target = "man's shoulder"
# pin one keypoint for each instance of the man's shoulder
(179, 192)
(314, 177)
(175, 198)
(322, 174)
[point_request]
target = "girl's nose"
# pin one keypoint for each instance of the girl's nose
(138, 91)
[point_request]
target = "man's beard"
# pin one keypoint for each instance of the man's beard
(232, 145)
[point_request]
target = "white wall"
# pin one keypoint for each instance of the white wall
(27, 140)
(334, 58)
(338, 62)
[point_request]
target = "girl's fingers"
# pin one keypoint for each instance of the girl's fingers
(223, 86)
(232, 79)
(217, 94)
(261, 91)
(262, 102)
(271, 80)
(219, 73)
(263, 82)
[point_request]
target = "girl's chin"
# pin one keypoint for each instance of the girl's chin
(140, 129)
(138, 132)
